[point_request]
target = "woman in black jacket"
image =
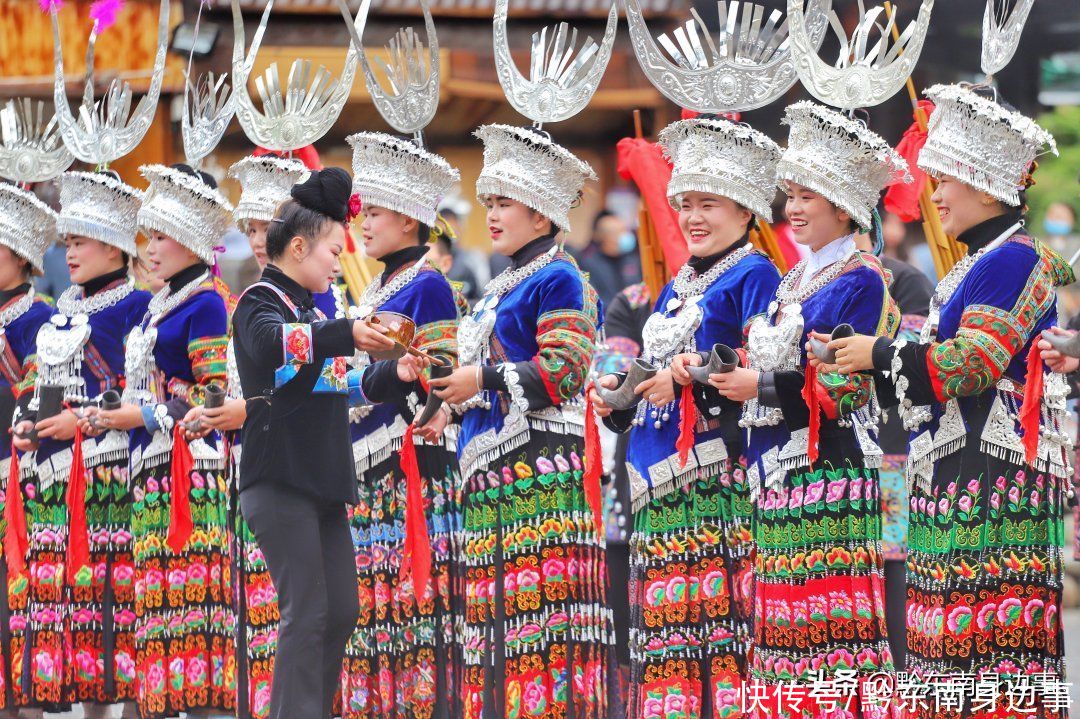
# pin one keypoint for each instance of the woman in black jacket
(296, 473)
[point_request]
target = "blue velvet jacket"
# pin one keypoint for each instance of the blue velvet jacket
(18, 361)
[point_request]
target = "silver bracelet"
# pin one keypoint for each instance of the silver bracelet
(479, 378)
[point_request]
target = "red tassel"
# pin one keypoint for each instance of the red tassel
(180, 524)
(16, 542)
(687, 420)
(417, 555)
(1030, 411)
(594, 466)
(78, 554)
(810, 396)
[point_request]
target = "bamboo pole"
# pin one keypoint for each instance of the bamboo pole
(764, 238)
(653, 267)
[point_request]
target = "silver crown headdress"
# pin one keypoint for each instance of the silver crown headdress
(525, 165)
(265, 183)
(560, 85)
(184, 208)
(104, 131)
(1001, 32)
(101, 207)
(722, 158)
(747, 66)
(839, 158)
(863, 76)
(297, 114)
(399, 175)
(208, 108)
(31, 147)
(980, 143)
(27, 225)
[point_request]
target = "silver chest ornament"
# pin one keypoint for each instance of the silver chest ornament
(139, 365)
(666, 334)
(772, 348)
(60, 344)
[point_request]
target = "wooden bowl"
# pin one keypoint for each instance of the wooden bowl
(401, 330)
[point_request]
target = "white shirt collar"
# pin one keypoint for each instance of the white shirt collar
(839, 249)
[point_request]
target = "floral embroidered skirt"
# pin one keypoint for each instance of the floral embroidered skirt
(186, 651)
(537, 635)
(820, 592)
(257, 636)
(985, 579)
(692, 597)
(402, 660)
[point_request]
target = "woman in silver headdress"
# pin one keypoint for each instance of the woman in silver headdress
(692, 576)
(27, 227)
(812, 459)
(989, 462)
(537, 632)
(185, 647)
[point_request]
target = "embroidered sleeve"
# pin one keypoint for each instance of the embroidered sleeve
(208, 364)
(1001, 310)
(845, 393)
(566, 340)
(29, 377)
(438, 339)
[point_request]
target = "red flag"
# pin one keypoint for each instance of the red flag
(78, 553)
(16, 542)
(416, 558)
(594, 462)
(903, 200)
(1031, 409)
(180, 524)
(643, 162)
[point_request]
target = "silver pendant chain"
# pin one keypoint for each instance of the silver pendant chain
(787, 294)
(17, 309)
(689, 284)
(510, 278)
(165, 302)
(375, 293)
(72, 302)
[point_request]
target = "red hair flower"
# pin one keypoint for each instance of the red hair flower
(355, 206)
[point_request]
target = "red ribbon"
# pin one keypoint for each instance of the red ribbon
(1030, 410)
(594, 465)
(417, 555)
(16, 542)
(687, 420)
(180, 524)
(810, 396)
(902, 199)
(78, 553)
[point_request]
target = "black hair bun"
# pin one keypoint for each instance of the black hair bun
(326, 192)
(206, 178)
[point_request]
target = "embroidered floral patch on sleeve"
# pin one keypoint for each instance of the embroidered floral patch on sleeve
(846, 393)
(208, 359)
(566, 339)
(296, 350)
(971, 362)
(437, 338)
(29, 376)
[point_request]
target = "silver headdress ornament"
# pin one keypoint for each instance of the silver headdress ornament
(208, 108)
(31, 148)
(98, 206)
(414, 90)
(525, 165)
(722, 158)
(184, 208)
(1001, 32)
(863, 76)
(839, 158)
(979, 142)
(104, 131)
(560, 85)
(399, 175)
(747, 66)
(297, 114)
(27, 225)
(265, 183)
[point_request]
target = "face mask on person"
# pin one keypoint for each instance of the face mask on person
(627, 242)
(1057, 228)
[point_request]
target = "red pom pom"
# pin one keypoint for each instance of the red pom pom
(355, 206)
(104, 12)
(49, 5)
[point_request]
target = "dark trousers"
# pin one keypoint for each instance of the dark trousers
(309, 554)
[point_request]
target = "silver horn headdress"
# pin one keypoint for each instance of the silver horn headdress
(208, 109)
(560, 85)
(863, 76)
(104, 131)
(414, 91)
(31, 147)
(1001, 32)
(298, 113)
(747, 66)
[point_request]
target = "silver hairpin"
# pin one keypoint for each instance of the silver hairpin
(104, 131)
(31, 147)
(863, 76)
(747, 65)
(297, 113)
(208, 108)
(414, 91)
(1001, 33)
(562, 79)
